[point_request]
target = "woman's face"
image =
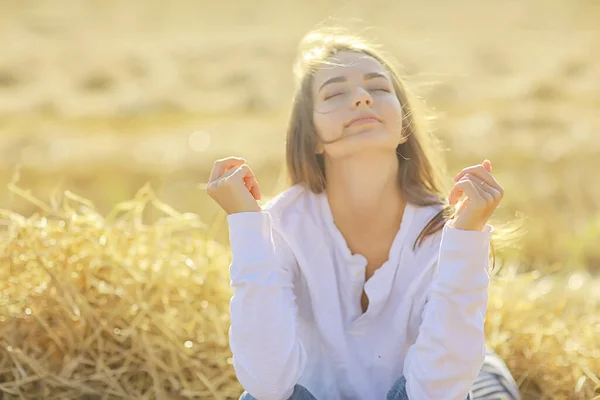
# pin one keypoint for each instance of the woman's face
(355, 104)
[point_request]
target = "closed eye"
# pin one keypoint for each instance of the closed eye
(338, 94)
(332, 95)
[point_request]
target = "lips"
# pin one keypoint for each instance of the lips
(362, 120)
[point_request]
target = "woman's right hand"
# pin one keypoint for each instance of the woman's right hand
(233, 186)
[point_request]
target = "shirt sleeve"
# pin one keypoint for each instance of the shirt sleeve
(268, 356)
(449, 351)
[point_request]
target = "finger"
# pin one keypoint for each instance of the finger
(455, 194)
(478, 170)
(482, 173)
(469, 188)
(253, 187)
(485, 188)
(255, 192)
(461, 187)
(223, 165)
(242, 172)
(246, 175)
(487, 164)
(225, 176)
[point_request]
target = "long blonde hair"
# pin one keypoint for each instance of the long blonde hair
(420, 175)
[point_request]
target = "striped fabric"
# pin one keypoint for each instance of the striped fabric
(495, 381)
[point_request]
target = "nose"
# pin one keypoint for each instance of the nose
(362, 98)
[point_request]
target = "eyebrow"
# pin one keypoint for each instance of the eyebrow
(338, 79)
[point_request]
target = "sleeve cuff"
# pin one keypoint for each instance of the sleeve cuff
(487, 229)
(464, 257)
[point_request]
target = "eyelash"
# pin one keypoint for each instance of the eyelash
(337, 94)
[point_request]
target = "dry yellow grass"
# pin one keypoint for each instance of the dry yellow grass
(102, 97)
(109, 307)
(114, 307)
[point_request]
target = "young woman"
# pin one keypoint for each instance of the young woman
(363, 280)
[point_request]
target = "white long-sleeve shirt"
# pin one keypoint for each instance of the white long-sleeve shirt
(296, 315)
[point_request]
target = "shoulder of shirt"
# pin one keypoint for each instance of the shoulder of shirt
(285, 202)
(423, 215)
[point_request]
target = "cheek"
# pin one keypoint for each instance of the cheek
(392, 111)
(327, 125)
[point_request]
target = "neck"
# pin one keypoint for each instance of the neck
(363, 189)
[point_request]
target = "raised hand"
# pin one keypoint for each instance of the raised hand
(233, 186)
(483, 196)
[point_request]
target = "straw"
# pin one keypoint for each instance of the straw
(113, 307)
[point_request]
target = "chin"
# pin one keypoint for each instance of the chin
(373, 140)
(371, 136)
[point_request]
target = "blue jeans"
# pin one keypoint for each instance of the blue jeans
(397, 392)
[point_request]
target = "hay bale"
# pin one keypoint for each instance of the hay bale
(547, 328)
(110, 307)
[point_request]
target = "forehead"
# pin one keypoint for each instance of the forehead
(346, 63)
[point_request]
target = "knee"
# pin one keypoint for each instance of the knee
(300, 393)
(398, 390)
(246, 396)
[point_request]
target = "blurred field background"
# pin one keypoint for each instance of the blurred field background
(102, 97)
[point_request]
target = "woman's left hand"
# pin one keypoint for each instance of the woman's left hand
(483, 196)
